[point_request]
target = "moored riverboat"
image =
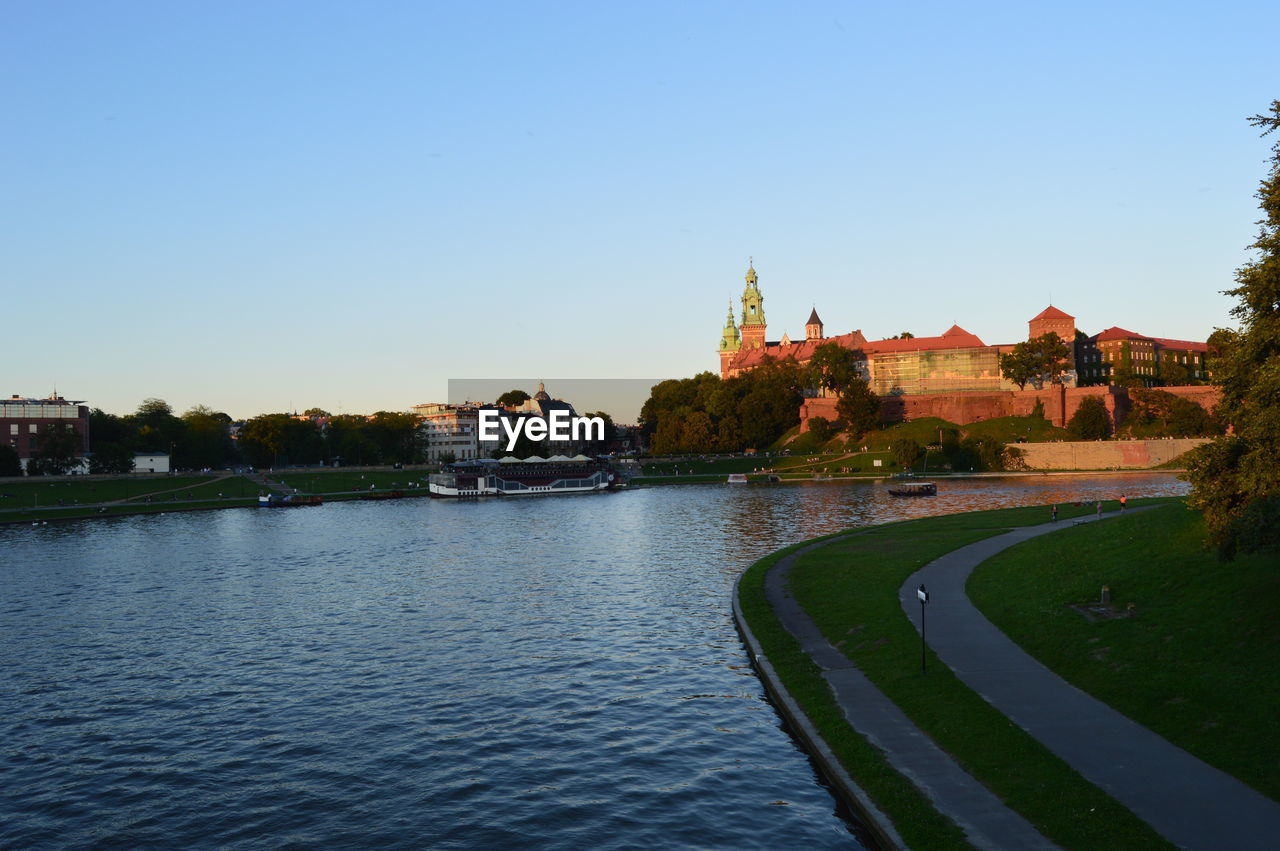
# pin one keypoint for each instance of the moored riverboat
(913, 489)
(529, 477)
(292, 500)
(737, 478)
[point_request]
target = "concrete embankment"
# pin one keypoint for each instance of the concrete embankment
(1105, 454)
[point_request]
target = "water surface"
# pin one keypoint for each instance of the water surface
(545, 672)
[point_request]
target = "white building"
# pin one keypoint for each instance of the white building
(151, 462)
(450, 431)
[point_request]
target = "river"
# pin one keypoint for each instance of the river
(543, 672)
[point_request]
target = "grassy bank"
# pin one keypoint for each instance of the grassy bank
(919, 824)
(45, 493)
(1195, 661)
(850, 588)
(343, 482)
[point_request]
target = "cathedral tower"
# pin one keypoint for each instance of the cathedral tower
(752, 312)
(730, 343)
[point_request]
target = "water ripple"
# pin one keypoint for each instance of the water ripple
(541, 673)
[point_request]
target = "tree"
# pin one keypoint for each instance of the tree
(316, 412)
(512, 399)
(1018, 366)
(1236, 478)
(111, 458)
(1039, 360)
(157, 429)
(10, 464)
(109, 428)
(820, 428)
(56, 449)
(1090, 421)
(906, 452)
(831, 368)
(905, 335)
(859, 409)
(608, 429)
(206, 440)
(268, 440)
(1159, 413)
(393, 433)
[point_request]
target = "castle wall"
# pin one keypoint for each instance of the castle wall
(1060, 404)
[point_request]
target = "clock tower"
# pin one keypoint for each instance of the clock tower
(753, 326)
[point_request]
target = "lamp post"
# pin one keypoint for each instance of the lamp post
(924, 601)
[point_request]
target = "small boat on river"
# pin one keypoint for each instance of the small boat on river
(737, 478)
(913, 489)
(292, 500)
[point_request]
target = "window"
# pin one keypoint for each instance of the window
(13, 428)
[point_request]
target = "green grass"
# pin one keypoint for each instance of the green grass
(1196, 661)
(923, 431)
(919, 824)
(84, 511)
(37, 493)
(340, 481)
(850, 589)
(1009, 429)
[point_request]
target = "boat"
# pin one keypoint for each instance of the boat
(529, 477)
(292, 500)
(913, 489)
(737, 478)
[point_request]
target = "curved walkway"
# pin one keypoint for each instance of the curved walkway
(985, 819)
(1190, 803)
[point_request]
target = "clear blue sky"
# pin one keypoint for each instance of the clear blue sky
(262, 205)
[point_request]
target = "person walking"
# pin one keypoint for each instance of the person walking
(1055, 514)
(1123, 500)
(1099, 509)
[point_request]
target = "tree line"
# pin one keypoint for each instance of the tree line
(754, 410)
(202, 438)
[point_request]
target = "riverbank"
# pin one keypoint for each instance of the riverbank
(764, 478)
(66, 498)
(849, 586)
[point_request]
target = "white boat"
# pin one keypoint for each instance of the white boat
(737, 478)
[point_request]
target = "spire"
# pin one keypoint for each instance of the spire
(813, 328)
(730, 339)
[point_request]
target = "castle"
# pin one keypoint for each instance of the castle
(957, 361)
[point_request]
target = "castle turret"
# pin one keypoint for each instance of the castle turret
(753, 327)
(730, 342)
(813, 328)
(1059, 322)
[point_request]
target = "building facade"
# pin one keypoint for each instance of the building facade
(449, 432)
(957, 361)
(23, 419)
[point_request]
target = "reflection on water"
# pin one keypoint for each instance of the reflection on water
(552, 672)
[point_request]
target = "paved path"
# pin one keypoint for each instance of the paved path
(985, 819)
(1189, 802)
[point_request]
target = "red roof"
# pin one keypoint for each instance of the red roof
(1051, 312)
(955, 337)
(1184, 345)
(1116, 333)
(801, 350)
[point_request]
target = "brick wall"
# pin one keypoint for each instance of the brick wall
(1059, 402)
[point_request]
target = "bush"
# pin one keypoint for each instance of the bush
(1090, 421)
(821, 429)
